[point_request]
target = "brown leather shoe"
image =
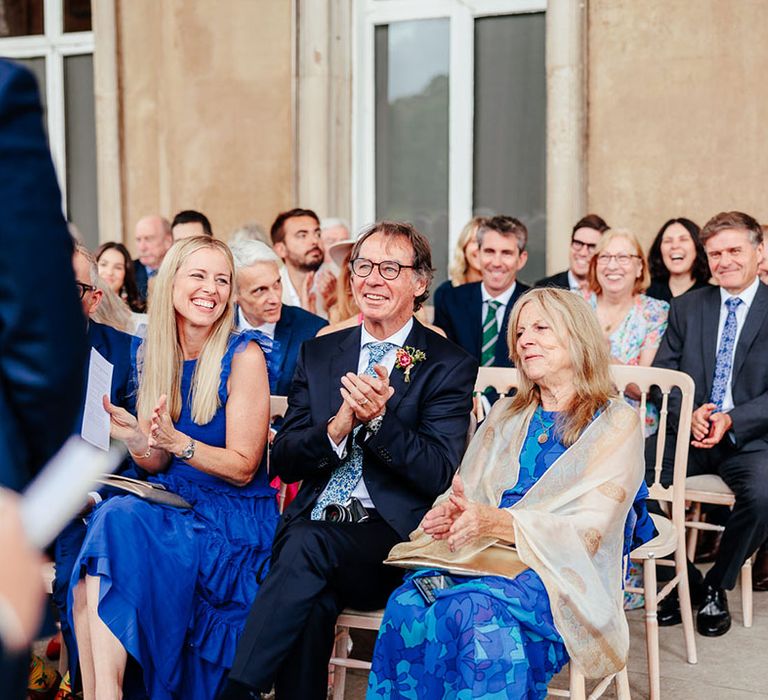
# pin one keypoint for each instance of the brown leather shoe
(760, 569)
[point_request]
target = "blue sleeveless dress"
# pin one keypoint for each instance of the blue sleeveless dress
(488, 636)
(177, 585)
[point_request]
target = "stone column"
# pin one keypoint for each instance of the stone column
(566, 125)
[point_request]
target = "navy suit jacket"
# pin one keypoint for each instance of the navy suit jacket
(411, 459)
(459, 312)
(690, 345)
(294, 327)
(560, 280)
(42, 328)
(141, 277)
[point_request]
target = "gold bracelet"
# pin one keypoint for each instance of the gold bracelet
(146, 455)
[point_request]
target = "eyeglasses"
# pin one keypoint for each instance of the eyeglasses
(576, 244)
(388, 269)
(622, 259)
(82, 288)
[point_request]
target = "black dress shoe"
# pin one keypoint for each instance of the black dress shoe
(713, 618)
(669, 610)
(760, 569)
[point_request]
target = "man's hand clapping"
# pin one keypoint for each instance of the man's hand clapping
(367, 396)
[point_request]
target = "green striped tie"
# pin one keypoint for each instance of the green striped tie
(490, 334)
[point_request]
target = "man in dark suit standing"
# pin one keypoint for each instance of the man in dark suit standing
(476, 315)
(42, 332)
(584, 238)
(153, 240)
(718, 335)
(260, 306)
(376, 421)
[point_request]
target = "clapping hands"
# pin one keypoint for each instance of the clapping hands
(162, 434)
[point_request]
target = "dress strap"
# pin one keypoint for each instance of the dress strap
(237, 343)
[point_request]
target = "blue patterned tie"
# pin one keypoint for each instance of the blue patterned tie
(347, 475)
(725, 354)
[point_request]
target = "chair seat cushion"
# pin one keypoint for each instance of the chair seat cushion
(711, 483)
(661, 545)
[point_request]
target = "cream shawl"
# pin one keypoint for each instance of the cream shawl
(569, 527)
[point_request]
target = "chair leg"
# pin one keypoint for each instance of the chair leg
(577, 686)
(622, 685)
(684, 596)
(651, 627)
(693, 533)
(746, 592)
(341, 651)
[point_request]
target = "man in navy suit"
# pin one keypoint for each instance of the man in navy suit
(153, 240)
(260, 306)
(718, 336)
(376, 421)
(42, 332)
(118, 349)
(584, 239)
(476, 315)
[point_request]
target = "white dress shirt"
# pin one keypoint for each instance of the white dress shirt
(292, 298)
(267, 329)
(747, 297)
(398, 339)
(503, 299)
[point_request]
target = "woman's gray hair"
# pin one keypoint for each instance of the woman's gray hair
(250, 252)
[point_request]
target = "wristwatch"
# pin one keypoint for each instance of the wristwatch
(188, 452)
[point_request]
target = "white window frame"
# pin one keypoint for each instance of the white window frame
(53, 45)
(462, 14)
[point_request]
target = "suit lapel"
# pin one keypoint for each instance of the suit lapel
(283, 332)
(710, 315)
(752, 325)
(417, 339)
(345, 360)
(475, 313)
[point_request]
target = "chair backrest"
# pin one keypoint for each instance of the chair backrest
(644, 379)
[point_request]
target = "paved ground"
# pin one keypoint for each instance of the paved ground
(733, 667)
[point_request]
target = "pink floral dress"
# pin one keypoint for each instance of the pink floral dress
(641, 329)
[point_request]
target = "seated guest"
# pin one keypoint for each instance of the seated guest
(762, 269)
(584, 238)
(465, 266)
(118, 349)
(718, 336)
(190, 223)
(297, 239)
(116, 269)
(333, 231)
(252, 231)
(677, 260)
(632, 322)
(260, 306)
(551, 473)
(171, 586)
(153, 240)
(376, 424)
(475, 315)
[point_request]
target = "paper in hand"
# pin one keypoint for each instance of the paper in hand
(95, 418)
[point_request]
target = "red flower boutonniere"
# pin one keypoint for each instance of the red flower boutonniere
(406, 358)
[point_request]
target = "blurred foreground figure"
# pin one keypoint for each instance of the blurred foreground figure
(42, 331)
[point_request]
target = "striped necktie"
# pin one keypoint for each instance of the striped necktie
(490, 334)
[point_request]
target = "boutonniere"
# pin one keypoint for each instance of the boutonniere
(406, 358)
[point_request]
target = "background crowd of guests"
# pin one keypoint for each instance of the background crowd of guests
(233, 599)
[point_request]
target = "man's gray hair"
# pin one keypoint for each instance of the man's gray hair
(93, 269)
(252, 231)
(250, 252)
(332, 223)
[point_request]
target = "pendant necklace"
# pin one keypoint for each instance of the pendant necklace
(543, 436)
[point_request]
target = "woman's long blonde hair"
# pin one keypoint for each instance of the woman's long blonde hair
(161, 361)
(575, 325)
(458, 267)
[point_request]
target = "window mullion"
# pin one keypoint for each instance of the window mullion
(54, 71)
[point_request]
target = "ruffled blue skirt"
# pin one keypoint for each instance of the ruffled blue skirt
(177, 585)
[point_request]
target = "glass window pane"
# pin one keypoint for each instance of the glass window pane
(77, 16)
(510, 127)
(21, 17)
(82, 198)
(412, 62)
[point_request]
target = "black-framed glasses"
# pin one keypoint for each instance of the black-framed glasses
(576, 244)
(388, 269)
(82, 288)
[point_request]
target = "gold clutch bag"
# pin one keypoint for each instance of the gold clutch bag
(495, 560)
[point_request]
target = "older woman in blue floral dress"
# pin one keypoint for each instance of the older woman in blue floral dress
(531, 534)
